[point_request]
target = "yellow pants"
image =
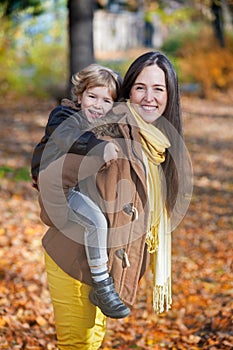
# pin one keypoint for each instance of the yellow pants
(79, 324)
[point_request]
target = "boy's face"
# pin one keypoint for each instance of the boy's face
(96, 102)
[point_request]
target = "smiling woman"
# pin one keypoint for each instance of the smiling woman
(150, 87)
(137, 191)
(149, 93)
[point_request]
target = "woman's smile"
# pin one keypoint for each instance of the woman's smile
(149, 93)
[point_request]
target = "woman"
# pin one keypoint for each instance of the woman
(137, 198)
(151, 88)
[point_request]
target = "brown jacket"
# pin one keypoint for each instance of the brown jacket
(120, 190)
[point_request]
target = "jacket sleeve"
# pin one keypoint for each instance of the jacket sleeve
(64, 135)
(88, 142)
(66, 132)
(56, 117)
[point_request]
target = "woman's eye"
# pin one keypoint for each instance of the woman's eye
(138, 88)
(159, 88)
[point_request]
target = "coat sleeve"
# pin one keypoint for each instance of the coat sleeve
(55, 182)
(53, 198)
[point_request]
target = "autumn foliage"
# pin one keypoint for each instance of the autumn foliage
(202, 312)
(203, 61)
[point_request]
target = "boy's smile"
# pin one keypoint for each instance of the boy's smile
(96, 102)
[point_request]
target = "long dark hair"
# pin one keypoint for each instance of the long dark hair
(172, 114)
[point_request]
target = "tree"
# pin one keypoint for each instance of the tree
(80, 29)
(218, 23)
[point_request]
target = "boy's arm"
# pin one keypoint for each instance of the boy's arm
(63, 135)
(57, 116)
(66, 132)
(88, 142)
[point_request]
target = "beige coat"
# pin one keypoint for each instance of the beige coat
(120, 190)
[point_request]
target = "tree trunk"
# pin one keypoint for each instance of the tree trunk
(80, 31)
(218, 24)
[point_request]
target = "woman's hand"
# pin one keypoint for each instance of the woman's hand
(110, 152)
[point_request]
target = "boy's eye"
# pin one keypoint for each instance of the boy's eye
(108, 101)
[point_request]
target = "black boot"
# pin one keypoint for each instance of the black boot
(104, 296)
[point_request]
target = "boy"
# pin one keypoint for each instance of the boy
(94, 92)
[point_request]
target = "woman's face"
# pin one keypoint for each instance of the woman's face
(149, 93)
(96, 102)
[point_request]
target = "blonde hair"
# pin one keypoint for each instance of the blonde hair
(96, 75)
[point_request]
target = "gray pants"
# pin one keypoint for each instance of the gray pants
(90, 216)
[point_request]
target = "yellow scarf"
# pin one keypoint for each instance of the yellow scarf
(158, 239)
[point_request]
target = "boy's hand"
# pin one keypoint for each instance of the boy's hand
(110, 152)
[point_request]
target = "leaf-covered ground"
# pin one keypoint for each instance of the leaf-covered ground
(202, 311)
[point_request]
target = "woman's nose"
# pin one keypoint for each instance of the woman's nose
(149, 96)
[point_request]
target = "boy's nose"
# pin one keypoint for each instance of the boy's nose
(98, 104)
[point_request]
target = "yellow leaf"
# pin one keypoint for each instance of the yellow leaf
(41, 321)
(2, 322)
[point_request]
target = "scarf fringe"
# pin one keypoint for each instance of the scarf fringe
(152, 241)
(162, 299)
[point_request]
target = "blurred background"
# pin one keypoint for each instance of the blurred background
(43, 42)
